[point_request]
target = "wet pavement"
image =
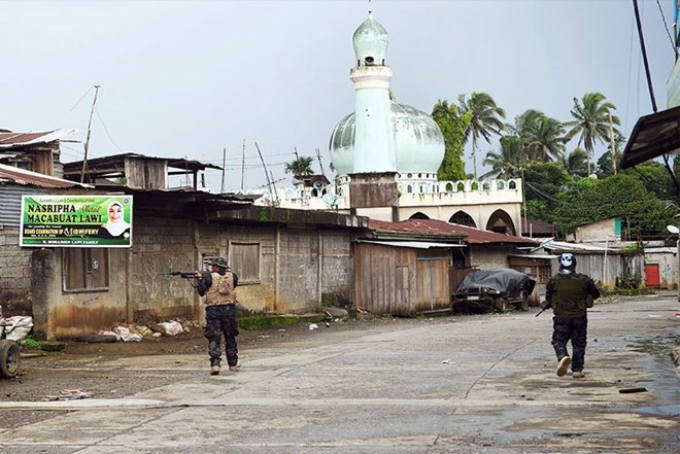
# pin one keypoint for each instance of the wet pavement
(483, 384)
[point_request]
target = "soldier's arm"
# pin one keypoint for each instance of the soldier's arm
(592, 289)
(204, 283)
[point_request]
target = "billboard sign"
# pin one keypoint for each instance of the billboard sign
(76, 221)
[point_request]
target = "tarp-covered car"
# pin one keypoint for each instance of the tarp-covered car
(497, 289)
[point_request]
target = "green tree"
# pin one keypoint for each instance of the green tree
(509, 160)
(544, 138)
(485, 120)
(300, 167)
(655, 178)
(544, 182)
(592, 199)
(591, 122)
(453, 127)
(576, 163)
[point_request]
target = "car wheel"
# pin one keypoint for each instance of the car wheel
(524, 302)
(500, 304)
(10, 358)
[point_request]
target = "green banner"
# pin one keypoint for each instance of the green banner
(76, 221)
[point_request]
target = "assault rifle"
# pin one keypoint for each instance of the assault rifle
(543, 308)
(182, 274)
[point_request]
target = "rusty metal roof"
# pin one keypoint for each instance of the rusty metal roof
(20, 139)
(433, 227)
(28, 178)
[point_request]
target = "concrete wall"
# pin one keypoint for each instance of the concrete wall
(485, 257)
(298, 266)
(60, 314)
(598, 231)
(15, 274)
(161, 245)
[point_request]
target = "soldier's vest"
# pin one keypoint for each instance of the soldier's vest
(570, 294)
(221, 291)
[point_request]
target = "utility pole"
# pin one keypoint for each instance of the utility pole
(612, 143)
(318, 157)
(83, 170)
(224, 166)
(266, 173)
(243, 164)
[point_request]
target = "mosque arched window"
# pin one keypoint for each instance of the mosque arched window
(409, 189)
(462, 218)
(460, 187)
(449, 187)
(500, 184)
(512, 185)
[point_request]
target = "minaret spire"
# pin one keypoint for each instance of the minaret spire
(370, 10)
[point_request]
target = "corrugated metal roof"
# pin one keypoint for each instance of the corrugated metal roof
(413, 244)
(18, 139)
(28, 178)
(434, 227)
(576, 247)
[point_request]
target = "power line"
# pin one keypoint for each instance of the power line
(665, 25)
(106, 130)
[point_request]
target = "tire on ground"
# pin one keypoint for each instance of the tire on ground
(10, 358)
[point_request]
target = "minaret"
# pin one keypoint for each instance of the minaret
(373, 186)
(374, 149)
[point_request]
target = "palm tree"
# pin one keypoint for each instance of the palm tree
(543, 136)
(576, 163)
(591, 115)
(300, 167)
(486, 119)
(509, 161)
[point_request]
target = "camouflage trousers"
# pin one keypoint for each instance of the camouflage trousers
(215, 328)
(572, 329)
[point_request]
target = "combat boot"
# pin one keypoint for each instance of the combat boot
(563, 366)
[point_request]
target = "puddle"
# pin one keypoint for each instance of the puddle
(666, 385)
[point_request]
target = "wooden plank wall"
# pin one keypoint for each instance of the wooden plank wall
(392, 280)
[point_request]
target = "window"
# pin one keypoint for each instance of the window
(85, 269)
(244, 259)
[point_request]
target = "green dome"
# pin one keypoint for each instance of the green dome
(418, 141)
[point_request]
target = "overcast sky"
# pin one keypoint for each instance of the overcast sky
(189, 78)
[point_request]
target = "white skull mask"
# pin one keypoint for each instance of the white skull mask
(567, 263)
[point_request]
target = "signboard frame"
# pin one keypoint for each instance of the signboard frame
(101, 220)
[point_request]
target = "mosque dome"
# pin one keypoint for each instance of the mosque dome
(418, 141)
(370, 43)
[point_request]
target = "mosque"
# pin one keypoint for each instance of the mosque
(386, 155)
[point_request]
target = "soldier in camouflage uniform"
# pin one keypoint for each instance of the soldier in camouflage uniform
(570, 294)
(219, 289)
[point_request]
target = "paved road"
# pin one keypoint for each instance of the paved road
(453, 384)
